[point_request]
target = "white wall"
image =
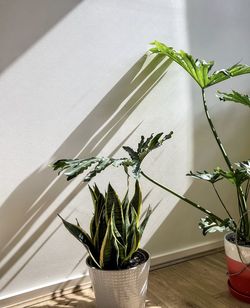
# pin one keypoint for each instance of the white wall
(67, 82)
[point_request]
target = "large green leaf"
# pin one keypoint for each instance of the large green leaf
(108, 252)
(199, 69)
(113, 202)
(235, 97)
(73, 167)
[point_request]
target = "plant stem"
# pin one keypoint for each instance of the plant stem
(222, 203)
(229, 164)
(244, 224)
(197, 206)
(247, 189)
(240, 193)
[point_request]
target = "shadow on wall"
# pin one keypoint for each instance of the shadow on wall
(37, 192)
(32, 20)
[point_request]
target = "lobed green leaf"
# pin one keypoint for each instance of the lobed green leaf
(235, 97)
(198, 69)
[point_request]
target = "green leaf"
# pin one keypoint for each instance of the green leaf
(238, 177)
(107, 252)
(234, 97)
(199, 69)
(209, 224)
(143, 149)
(81, 236)
(102, 165)
(136, 201)
(118, 239)
(73, 167)
(206, 176)
(244, 165)
(113, 201)
(145, 221)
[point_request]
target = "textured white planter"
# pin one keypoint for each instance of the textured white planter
(121, 288)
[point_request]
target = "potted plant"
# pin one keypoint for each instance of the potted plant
(118, 268)
(237, 242)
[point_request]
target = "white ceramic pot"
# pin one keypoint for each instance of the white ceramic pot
(124, 288)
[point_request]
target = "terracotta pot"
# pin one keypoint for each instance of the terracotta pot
(124, 288)
(238, 271)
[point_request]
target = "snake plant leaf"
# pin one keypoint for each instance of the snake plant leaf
(206, 176)
(113, 202)
(100, 230)
(145, 221)
(118, 238)
(82, 237)
(134, 241)
(136, 201)
(209, 224)
(108, 250)
(98, 224)
(235, 97)
(132, 234)
(199, 69)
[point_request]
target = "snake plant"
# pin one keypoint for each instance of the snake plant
(115, 228)
(237, 173)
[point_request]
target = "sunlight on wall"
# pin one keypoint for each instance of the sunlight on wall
(80, 90)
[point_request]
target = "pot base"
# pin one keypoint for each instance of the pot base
(236, 294)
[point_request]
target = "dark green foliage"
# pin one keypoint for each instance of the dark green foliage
(115, 229)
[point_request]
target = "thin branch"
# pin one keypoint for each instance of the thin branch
(197, 206)
(247, 189)
(228, 162)
(222, 203)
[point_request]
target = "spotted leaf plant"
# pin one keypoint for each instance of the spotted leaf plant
(238, 174)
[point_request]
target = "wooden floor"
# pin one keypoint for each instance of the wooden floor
(198, 283)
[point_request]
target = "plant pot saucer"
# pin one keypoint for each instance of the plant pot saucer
(236, 294)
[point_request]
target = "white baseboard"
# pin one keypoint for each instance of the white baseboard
(80, 283)
(177, 256)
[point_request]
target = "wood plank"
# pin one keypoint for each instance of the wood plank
(197, 283)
